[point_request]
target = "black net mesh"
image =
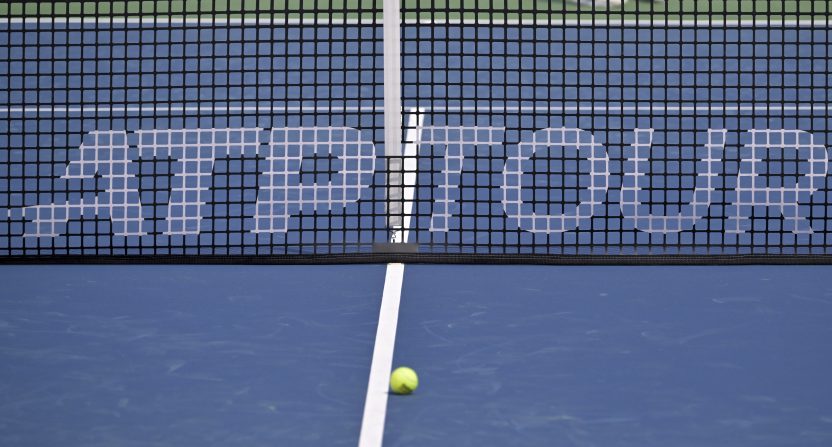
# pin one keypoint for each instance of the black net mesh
(531, 131)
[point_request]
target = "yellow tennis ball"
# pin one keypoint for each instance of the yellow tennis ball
(403, 380)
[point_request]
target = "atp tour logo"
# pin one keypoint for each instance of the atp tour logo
(103, 179)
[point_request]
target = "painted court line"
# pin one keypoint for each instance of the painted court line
(271, 19)
(656, 108)
(375, 405)
(187, 109)
(713, 107)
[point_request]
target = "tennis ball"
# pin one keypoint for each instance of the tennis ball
(403, 380)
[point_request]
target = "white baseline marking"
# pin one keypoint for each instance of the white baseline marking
(275, 19)
(160, 110)
(195, 19)
(647, 108)
(375, 405)
(190, 109)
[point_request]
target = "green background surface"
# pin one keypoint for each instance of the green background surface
(499, 9)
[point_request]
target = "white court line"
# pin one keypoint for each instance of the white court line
(375, 405)
(415, 122)
(191, 109)
(173, 19)
(369, 20)
(439, 109)
(649, 108)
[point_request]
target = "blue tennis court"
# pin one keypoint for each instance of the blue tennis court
(580, 227)
(264, 355)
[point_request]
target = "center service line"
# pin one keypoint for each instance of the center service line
(375, 405)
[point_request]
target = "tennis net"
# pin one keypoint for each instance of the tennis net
(440, 131)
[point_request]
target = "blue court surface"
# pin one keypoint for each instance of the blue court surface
(276, 355)
(189, 138)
